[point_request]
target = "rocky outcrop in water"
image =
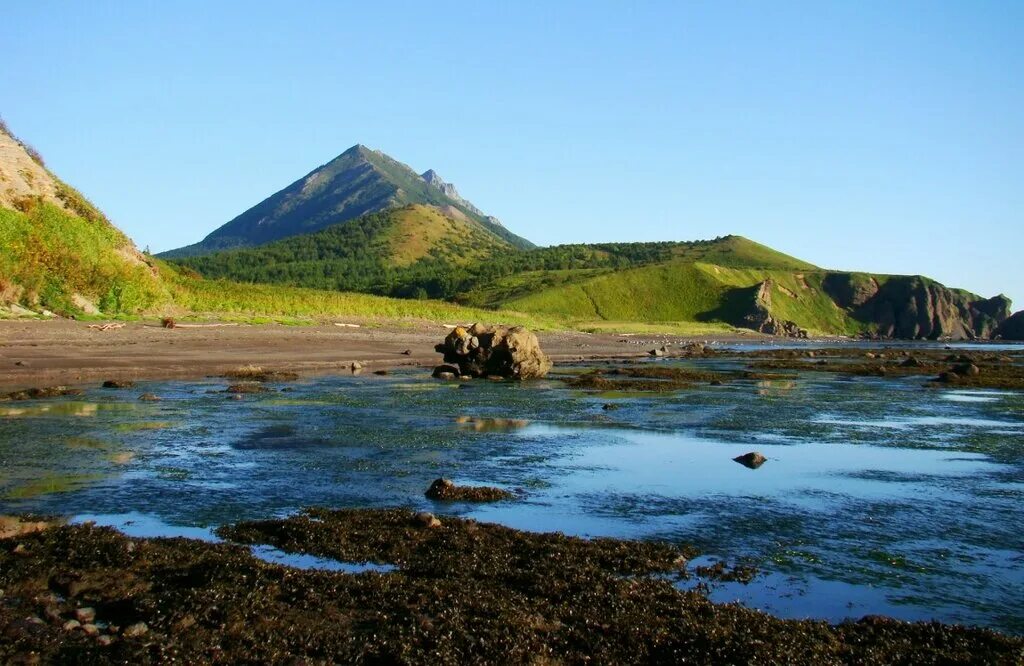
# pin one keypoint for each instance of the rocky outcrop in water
(487, 351)
(913, 307)
(1012, 328)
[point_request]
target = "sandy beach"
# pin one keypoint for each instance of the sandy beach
(66, 352)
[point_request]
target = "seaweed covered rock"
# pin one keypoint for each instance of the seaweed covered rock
(446, 491)
(495, 351)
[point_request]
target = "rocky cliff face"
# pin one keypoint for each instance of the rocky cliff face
(448, 189)
(758, 315)
(1012, 328)
(911, 307)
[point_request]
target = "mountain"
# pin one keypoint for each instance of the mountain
(357, 182)
(57, 251)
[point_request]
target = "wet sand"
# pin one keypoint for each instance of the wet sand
(63, 352)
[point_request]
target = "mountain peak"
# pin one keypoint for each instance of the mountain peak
(357, 182)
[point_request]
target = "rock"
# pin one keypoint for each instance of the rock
(911, 362)
(485, 351)
(118, 384)
(446, 491)
(1012, 328)
(149, 397)
(85, 615)
(380, 372)
(914, 308)
(12, 526)
(948, 377)
(90, 629)
(104, 640)
(967, 370)
(608, 406)
(424, 519)
(752, 460)
(355, 366)
(135, 630)
(247, 387)
(407, 352)
(758, 314)
(71, 625)
(656, 352)
(39, 393)
(446, 370)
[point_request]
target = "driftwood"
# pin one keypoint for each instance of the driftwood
(106, 327)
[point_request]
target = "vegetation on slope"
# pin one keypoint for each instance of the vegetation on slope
(59, 261)
(413, 251)
(195, 296)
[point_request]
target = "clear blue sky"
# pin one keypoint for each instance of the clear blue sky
(857, 135)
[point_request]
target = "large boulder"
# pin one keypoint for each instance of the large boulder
(495, 351)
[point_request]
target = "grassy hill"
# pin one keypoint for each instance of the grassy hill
(679, 291)
(407, 251)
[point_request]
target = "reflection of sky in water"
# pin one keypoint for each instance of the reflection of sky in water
(878, 496)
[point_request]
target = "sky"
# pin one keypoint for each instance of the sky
(868, 135)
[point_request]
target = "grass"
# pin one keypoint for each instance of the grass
(50, 255)
(222, 299)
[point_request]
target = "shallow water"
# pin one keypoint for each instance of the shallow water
(879, 496)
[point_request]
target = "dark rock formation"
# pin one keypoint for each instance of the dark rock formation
(446, 491)
(850, 290)
(118, 384)
(485, 351)
(752, 460)
(912, 307)
(1012, 328)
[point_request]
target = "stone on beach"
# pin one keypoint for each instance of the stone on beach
(752, 460)
(495, 351)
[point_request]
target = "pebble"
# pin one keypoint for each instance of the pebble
(104, 640)
(91, 629)
(71, 625)
(85, 614)
(135, 630)
(426, 519)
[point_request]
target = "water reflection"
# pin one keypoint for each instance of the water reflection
(878, 495)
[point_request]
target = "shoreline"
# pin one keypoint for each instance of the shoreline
(37, 354)
(40, 354)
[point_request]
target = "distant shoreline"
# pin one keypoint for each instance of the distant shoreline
(35, 354)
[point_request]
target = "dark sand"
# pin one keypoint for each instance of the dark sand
(64, 352)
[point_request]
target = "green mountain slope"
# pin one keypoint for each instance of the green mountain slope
(398, 251)
(357, 182)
